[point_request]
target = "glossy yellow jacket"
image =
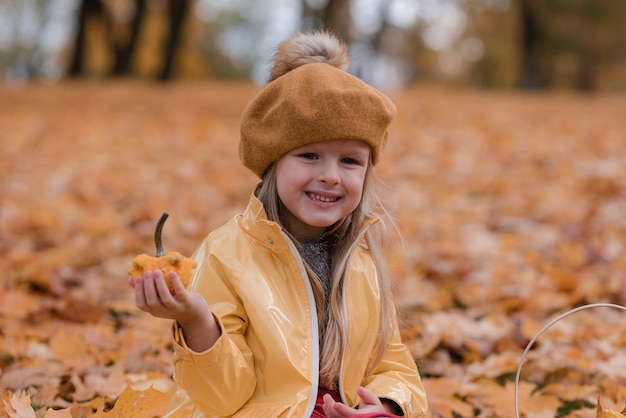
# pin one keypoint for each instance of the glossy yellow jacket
(265, 363)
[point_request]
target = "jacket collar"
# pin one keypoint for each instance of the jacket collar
(255, 223)
(268, 233)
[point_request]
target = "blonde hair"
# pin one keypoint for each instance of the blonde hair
(342, 235)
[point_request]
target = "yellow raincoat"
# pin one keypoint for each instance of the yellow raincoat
(265, 363)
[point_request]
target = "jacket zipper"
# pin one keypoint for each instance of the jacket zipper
(345, 309)
(315, 331)
(315, 357)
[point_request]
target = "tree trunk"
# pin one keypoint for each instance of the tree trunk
(532, 75)
(124, 53)
(338, 19)
(335, 16)
(176, 16)
(87, 9)
(586, 71)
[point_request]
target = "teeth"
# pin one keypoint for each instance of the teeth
(314, 196)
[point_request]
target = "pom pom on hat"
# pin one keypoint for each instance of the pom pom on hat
(309, 48)
(311, 98)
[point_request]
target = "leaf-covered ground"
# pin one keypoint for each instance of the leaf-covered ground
(512, 207)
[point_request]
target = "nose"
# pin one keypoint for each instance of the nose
(329, 173)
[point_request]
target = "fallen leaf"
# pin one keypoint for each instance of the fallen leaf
(139, 403)
(511, 208)
(18, 406)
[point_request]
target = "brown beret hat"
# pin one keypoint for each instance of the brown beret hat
(312, 102)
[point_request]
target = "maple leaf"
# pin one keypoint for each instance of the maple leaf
(18, 406)
(608, 413)
(59, 413)
(445, 397)
(511, 208)
(499, 398)
(146, 403)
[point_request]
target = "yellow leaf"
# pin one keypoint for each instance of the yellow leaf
(67, 346)
(139, 403)
(445, 397)
(19, 406)
(608, 413)
(530, 328)
(60, 413)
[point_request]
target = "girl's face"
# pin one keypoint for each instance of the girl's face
(321, 183)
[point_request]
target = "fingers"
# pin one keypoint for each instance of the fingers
(368, 403)
(177, 285)
(329, 407)
(152, 295)
(334, 409)
(367, 397)
(151, 292)
(329, 401)
(140, 297)
(162, 290)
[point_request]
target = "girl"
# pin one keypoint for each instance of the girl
(289, 313)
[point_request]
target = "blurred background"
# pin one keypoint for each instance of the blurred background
(503, 44)
(506, 175)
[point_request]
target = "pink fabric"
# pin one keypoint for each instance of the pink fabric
(318, 412)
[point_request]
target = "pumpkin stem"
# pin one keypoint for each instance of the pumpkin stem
(157, 235)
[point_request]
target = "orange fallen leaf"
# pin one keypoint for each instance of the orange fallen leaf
(68, 346)
(141, 403)
(18, 406)
(499, 399)
(608, 413)
(59, 413)
(445, 398)
(509, 206)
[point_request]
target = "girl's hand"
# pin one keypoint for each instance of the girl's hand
(154, 297)
(369, 403)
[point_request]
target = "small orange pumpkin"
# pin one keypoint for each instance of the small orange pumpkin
(172, 261)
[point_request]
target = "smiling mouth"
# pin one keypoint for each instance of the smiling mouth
(319, 198)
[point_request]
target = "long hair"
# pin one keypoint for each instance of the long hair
(342, 236)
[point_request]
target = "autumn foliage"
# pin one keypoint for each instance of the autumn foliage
(512, 208)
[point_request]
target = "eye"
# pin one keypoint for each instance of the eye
(350, 161)
(308, 156)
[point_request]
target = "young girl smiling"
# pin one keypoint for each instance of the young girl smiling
(289, 313)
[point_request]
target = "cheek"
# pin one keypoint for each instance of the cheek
(287, 181)
(283, 190)
(355, 187)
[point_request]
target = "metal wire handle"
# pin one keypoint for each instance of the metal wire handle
(554, 321)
